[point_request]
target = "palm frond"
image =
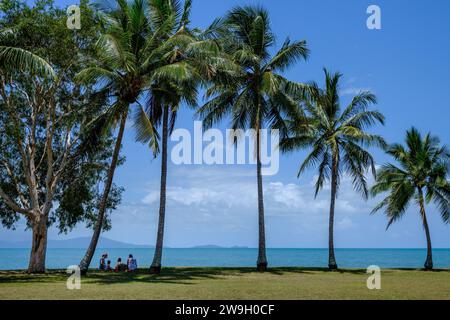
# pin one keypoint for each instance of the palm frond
(358, 105)
(19, 59)
(145, 130)
(289, 54)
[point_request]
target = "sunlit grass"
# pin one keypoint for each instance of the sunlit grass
(229, 283)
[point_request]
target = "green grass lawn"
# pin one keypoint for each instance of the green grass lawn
(229, 283)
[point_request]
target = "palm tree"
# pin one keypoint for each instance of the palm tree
(12, 58)
(257, 94)
(422, 176)
(136, 52)
(337, 140)
(163, 111)
(198, 58)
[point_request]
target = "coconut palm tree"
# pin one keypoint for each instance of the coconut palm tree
(12, 58)
(421, 176)
(256, 95)
(163, 112)
(137, 51)
(337, 138)
(198, 56)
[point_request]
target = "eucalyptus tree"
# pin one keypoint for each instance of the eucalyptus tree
(337, 138)
(421, 176)
(140, 55)
(42, 129)
(257, 95)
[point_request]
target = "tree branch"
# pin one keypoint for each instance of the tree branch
(14, 206)
(16, 183)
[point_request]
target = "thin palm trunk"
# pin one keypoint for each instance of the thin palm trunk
(429, 262)
(156, 264)
(261, 264)
(39, 246)
(86, 261)
(331, 258)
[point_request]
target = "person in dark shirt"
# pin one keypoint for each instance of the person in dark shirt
(108, 266)
(102, 265)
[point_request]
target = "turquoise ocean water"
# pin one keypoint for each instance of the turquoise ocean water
(347, 258)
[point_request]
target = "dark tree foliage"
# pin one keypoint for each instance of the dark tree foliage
(42, 30)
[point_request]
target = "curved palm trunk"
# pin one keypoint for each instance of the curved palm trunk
(261, 264)
(155, 268)
(86, 261)
(429, 262)
(331, 258)
(38, 247)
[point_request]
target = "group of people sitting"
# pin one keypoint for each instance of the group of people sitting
(105, 265)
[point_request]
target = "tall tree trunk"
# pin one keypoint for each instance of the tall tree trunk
(331, 258)
(86, 261)
(155, 268)
(39, 246)
(261, 264)
(429, 262)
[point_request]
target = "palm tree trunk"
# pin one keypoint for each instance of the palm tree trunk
(429, 262)
(331, 258)
(155, 268)
(261, 264)
(86, 261)
(39, 246)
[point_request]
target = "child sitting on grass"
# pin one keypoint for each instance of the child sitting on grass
(120, 267)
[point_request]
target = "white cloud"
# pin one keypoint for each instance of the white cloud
(345, 223)
(292, 196)
(190, 196)
(221, 202)
(208, 187)
(352, 91)
(212, 189)
(151, 198)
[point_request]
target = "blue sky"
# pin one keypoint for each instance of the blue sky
(405, 64)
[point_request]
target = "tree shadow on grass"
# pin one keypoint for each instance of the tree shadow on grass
(168, 276)
(185, 275)
(21, 276)
(188, 275)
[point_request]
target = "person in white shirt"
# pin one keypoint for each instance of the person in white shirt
(131, 263)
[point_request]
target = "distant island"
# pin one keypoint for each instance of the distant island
(213, 246)
(75, 243)
(103, 243)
